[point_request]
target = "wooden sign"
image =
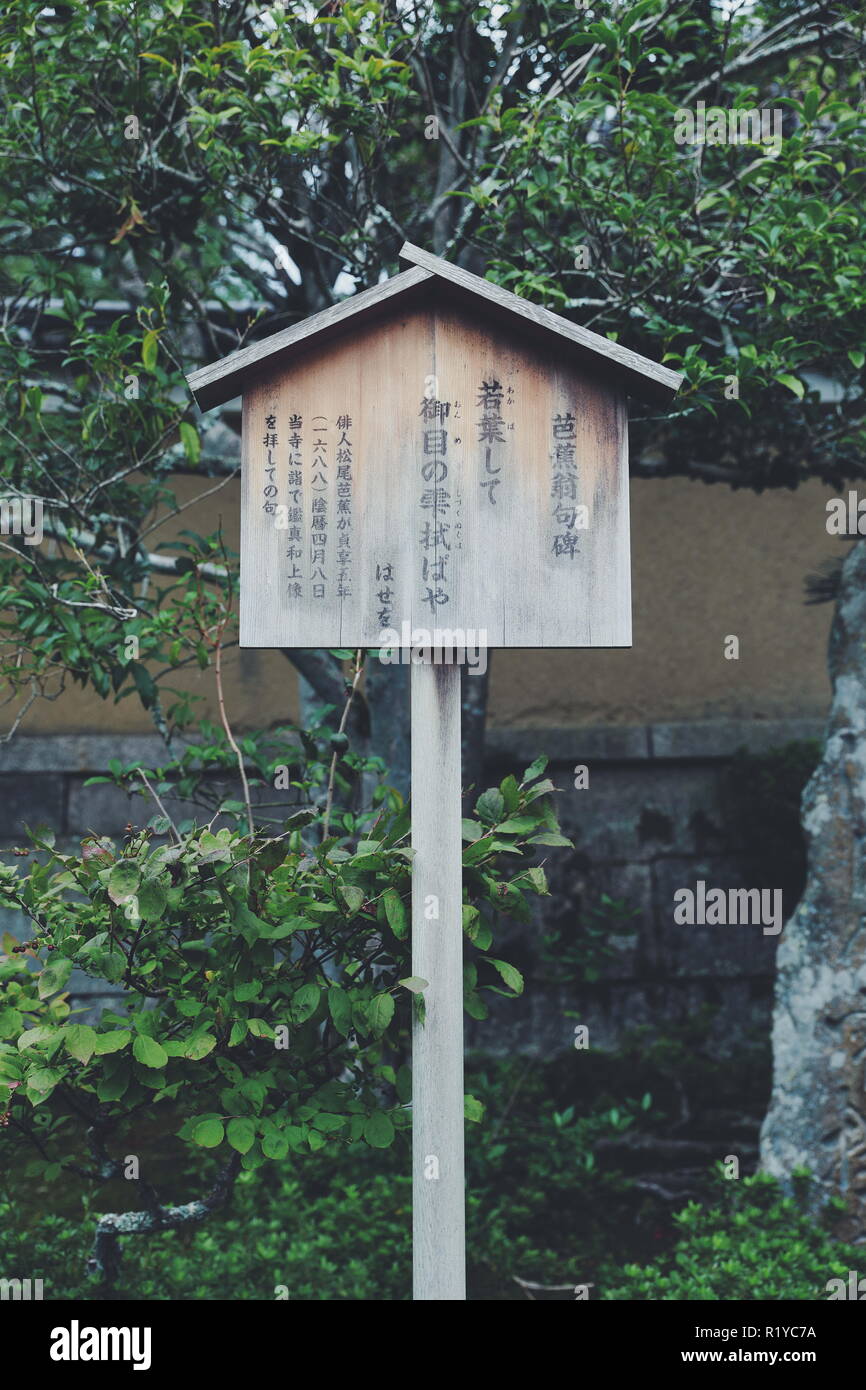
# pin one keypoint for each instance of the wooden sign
(435, 463)
(435, 455)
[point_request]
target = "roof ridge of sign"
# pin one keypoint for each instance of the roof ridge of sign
(220, 381)
(662, 383)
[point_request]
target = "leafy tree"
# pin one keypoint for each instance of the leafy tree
(183, 175)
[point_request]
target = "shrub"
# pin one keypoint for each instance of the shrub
(755, 1243)
(267, 990)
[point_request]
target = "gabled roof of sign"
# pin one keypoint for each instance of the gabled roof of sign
(638, 375)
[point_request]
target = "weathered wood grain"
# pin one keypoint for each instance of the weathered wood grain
(437, 957)
(490, 531)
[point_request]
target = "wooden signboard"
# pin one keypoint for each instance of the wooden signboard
(435, 464)
(434, 454)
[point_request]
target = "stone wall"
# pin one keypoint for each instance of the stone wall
(652, 820)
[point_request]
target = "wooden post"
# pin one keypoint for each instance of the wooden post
(438, 1217)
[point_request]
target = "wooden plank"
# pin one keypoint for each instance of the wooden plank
(439, 1261)
(376, 380)
(517, 575)
(454, 522)
(643, 378)
(220, 381)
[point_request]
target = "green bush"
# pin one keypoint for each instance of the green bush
(352, 1242)
(337, 1226)
(754, 1244)
(267, 995)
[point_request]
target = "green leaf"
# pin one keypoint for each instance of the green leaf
(114, 1086)
(856, 357)
(189, 438)
(353, 897)
(480, 934)
(149, 349)
(199, 1045)
(548, 837)
(473, 1109)
(158, 58)
(250, 926)
(41, 1082)
(538, 879)
(208, 1133)
(123, 881)
(510, 792)
(414, 983)
(11, 1021)
(535, 769)
(328, 1124)
(54, 977)
(544, 786)
(490, 806)
(32, 1037)
(289, 925)
(380, 1011)
(275, 1145)
(340, 1009)
(112, 1042)
(378, 1130)
(151, 900)
(509, 973)
(474, 1004)
(518, 825)
(305, 1001)
(395, 912)
(474, 853)
(241, 1134)
(149, 1052)
(80, 1041)
(144, 683)
(793, 383)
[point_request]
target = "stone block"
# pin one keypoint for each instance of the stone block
(634, 814)
(721, 738)
(102, 809)
(565, 747)
(30, 798)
